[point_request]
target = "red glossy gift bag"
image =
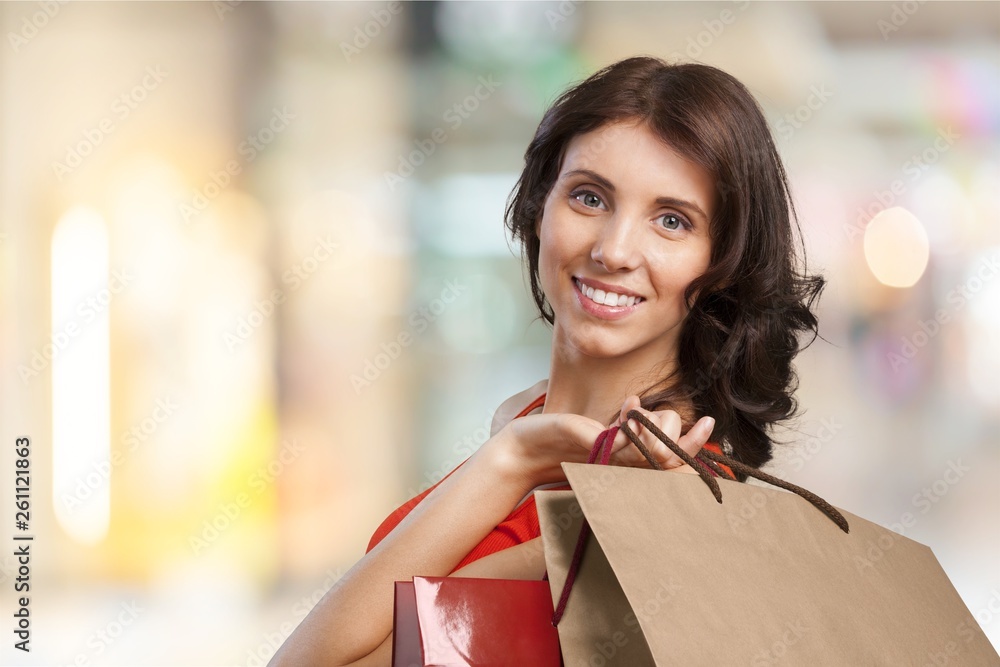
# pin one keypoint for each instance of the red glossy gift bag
(471, 621)
(465, 621)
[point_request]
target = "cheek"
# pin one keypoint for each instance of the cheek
(553, 248)
(545, 260)
(674, 276)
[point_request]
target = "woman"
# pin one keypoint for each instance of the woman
(655, 218)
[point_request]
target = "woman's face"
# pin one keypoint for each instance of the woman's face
(627, 220)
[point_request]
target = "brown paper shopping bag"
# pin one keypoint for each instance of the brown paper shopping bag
(675, 577)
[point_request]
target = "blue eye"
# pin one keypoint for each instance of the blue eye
(673, 222)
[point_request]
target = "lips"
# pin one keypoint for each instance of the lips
(602, 311)
(607, 295)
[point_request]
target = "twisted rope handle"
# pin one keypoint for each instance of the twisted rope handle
(601, 447)
(711, 459)
(705, 460)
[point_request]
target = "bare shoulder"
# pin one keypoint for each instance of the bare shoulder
(513, 405)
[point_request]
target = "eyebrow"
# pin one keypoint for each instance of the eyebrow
(662, 201)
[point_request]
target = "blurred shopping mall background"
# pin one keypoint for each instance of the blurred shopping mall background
(256, 290)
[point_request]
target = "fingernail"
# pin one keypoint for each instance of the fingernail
(710, 424)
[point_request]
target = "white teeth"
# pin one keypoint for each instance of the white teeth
(607, 298)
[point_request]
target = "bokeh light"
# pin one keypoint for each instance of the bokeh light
(896, 247)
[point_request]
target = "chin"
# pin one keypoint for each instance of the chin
(600, 349)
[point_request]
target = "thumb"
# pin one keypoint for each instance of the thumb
(692, 441)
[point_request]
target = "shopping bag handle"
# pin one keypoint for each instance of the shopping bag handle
(707, 459)
(602, 448)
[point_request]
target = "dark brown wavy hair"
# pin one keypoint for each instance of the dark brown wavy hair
(737, 343)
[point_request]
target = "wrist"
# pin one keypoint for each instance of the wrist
(505, 457)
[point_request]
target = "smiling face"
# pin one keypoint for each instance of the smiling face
(623, 232)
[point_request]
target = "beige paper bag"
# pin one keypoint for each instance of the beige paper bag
(604, 630)
(764, 578)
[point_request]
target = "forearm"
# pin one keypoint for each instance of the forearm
(355, 616)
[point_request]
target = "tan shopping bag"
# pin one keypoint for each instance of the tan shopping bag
(676, 578)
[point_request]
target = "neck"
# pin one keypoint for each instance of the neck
(596, 387)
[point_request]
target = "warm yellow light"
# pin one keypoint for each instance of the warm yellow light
(896, 247)
(81, 385)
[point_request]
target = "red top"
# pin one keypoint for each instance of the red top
(520, 526)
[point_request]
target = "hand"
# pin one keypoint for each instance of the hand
(667, 421)
(530, 449)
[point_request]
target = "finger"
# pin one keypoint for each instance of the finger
(631, 403)
(696, 437)
(630, 457)
(691, 443)
(621, 441)
(667, 421)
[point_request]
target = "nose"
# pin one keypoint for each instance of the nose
(617, 247)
